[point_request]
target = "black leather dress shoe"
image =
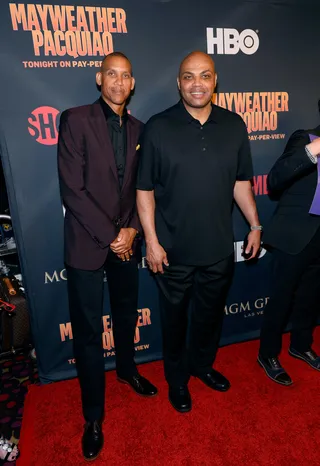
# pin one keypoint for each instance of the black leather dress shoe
(310, 357)
(140, 385)
(180, 398)
(214, 380)
(274, 370)
(92, 440)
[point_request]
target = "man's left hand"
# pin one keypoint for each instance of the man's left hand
(254, 243)
(126, 256)
(123, 242)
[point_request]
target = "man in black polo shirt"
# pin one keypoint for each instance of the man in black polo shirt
(195, 159)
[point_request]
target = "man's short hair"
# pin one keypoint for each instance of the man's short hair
(117, 54)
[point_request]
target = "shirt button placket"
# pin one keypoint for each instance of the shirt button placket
(202, 139)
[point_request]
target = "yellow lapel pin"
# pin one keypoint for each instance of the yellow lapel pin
(138, 147)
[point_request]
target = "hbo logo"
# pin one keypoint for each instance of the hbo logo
(230, 41)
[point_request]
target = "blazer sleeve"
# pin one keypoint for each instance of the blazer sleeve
(71, 164)
(293, 163)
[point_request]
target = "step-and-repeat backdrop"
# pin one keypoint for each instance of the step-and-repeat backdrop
(266, 56)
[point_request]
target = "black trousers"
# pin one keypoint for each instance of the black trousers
(85, 288)
(296, 290)
(208, 287)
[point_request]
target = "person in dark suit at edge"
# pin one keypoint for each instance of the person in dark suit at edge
(293, 235)
(97, 161)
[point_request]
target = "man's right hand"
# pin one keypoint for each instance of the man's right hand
(156, 257)
(314, 147)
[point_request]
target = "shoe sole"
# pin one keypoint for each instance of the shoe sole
(304, 360)
(271, 378)
(93, 458)
(182, 411)
(223, 390)
(140, 394)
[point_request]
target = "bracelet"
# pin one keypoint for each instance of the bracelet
(256, 227)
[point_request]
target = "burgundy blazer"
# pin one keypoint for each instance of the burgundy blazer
(96, 208)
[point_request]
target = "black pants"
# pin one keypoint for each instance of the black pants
(208, 286)
(85, 288)
(295, 289)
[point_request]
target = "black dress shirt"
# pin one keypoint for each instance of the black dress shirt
(192, 169)
(118, 136)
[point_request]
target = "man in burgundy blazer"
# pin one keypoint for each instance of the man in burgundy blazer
(97, 159)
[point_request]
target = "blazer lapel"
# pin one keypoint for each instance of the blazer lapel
(100, 127)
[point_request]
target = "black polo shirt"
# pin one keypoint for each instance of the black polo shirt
(118, 137)
(192, 169)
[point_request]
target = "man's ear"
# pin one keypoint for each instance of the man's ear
(98, 78)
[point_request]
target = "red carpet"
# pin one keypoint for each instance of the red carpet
(257, 422)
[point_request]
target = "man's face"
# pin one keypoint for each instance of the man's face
(116, 80)
(197, 80)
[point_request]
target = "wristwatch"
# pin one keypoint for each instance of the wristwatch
(256, 227)
(313, 158)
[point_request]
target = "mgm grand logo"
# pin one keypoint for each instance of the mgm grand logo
(247, 308)
(58, 276)
(55, 276)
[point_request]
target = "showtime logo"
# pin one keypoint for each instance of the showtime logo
(228, 41)
(43, 125)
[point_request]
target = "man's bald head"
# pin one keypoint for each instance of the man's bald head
(197, 80)
(196, 58)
